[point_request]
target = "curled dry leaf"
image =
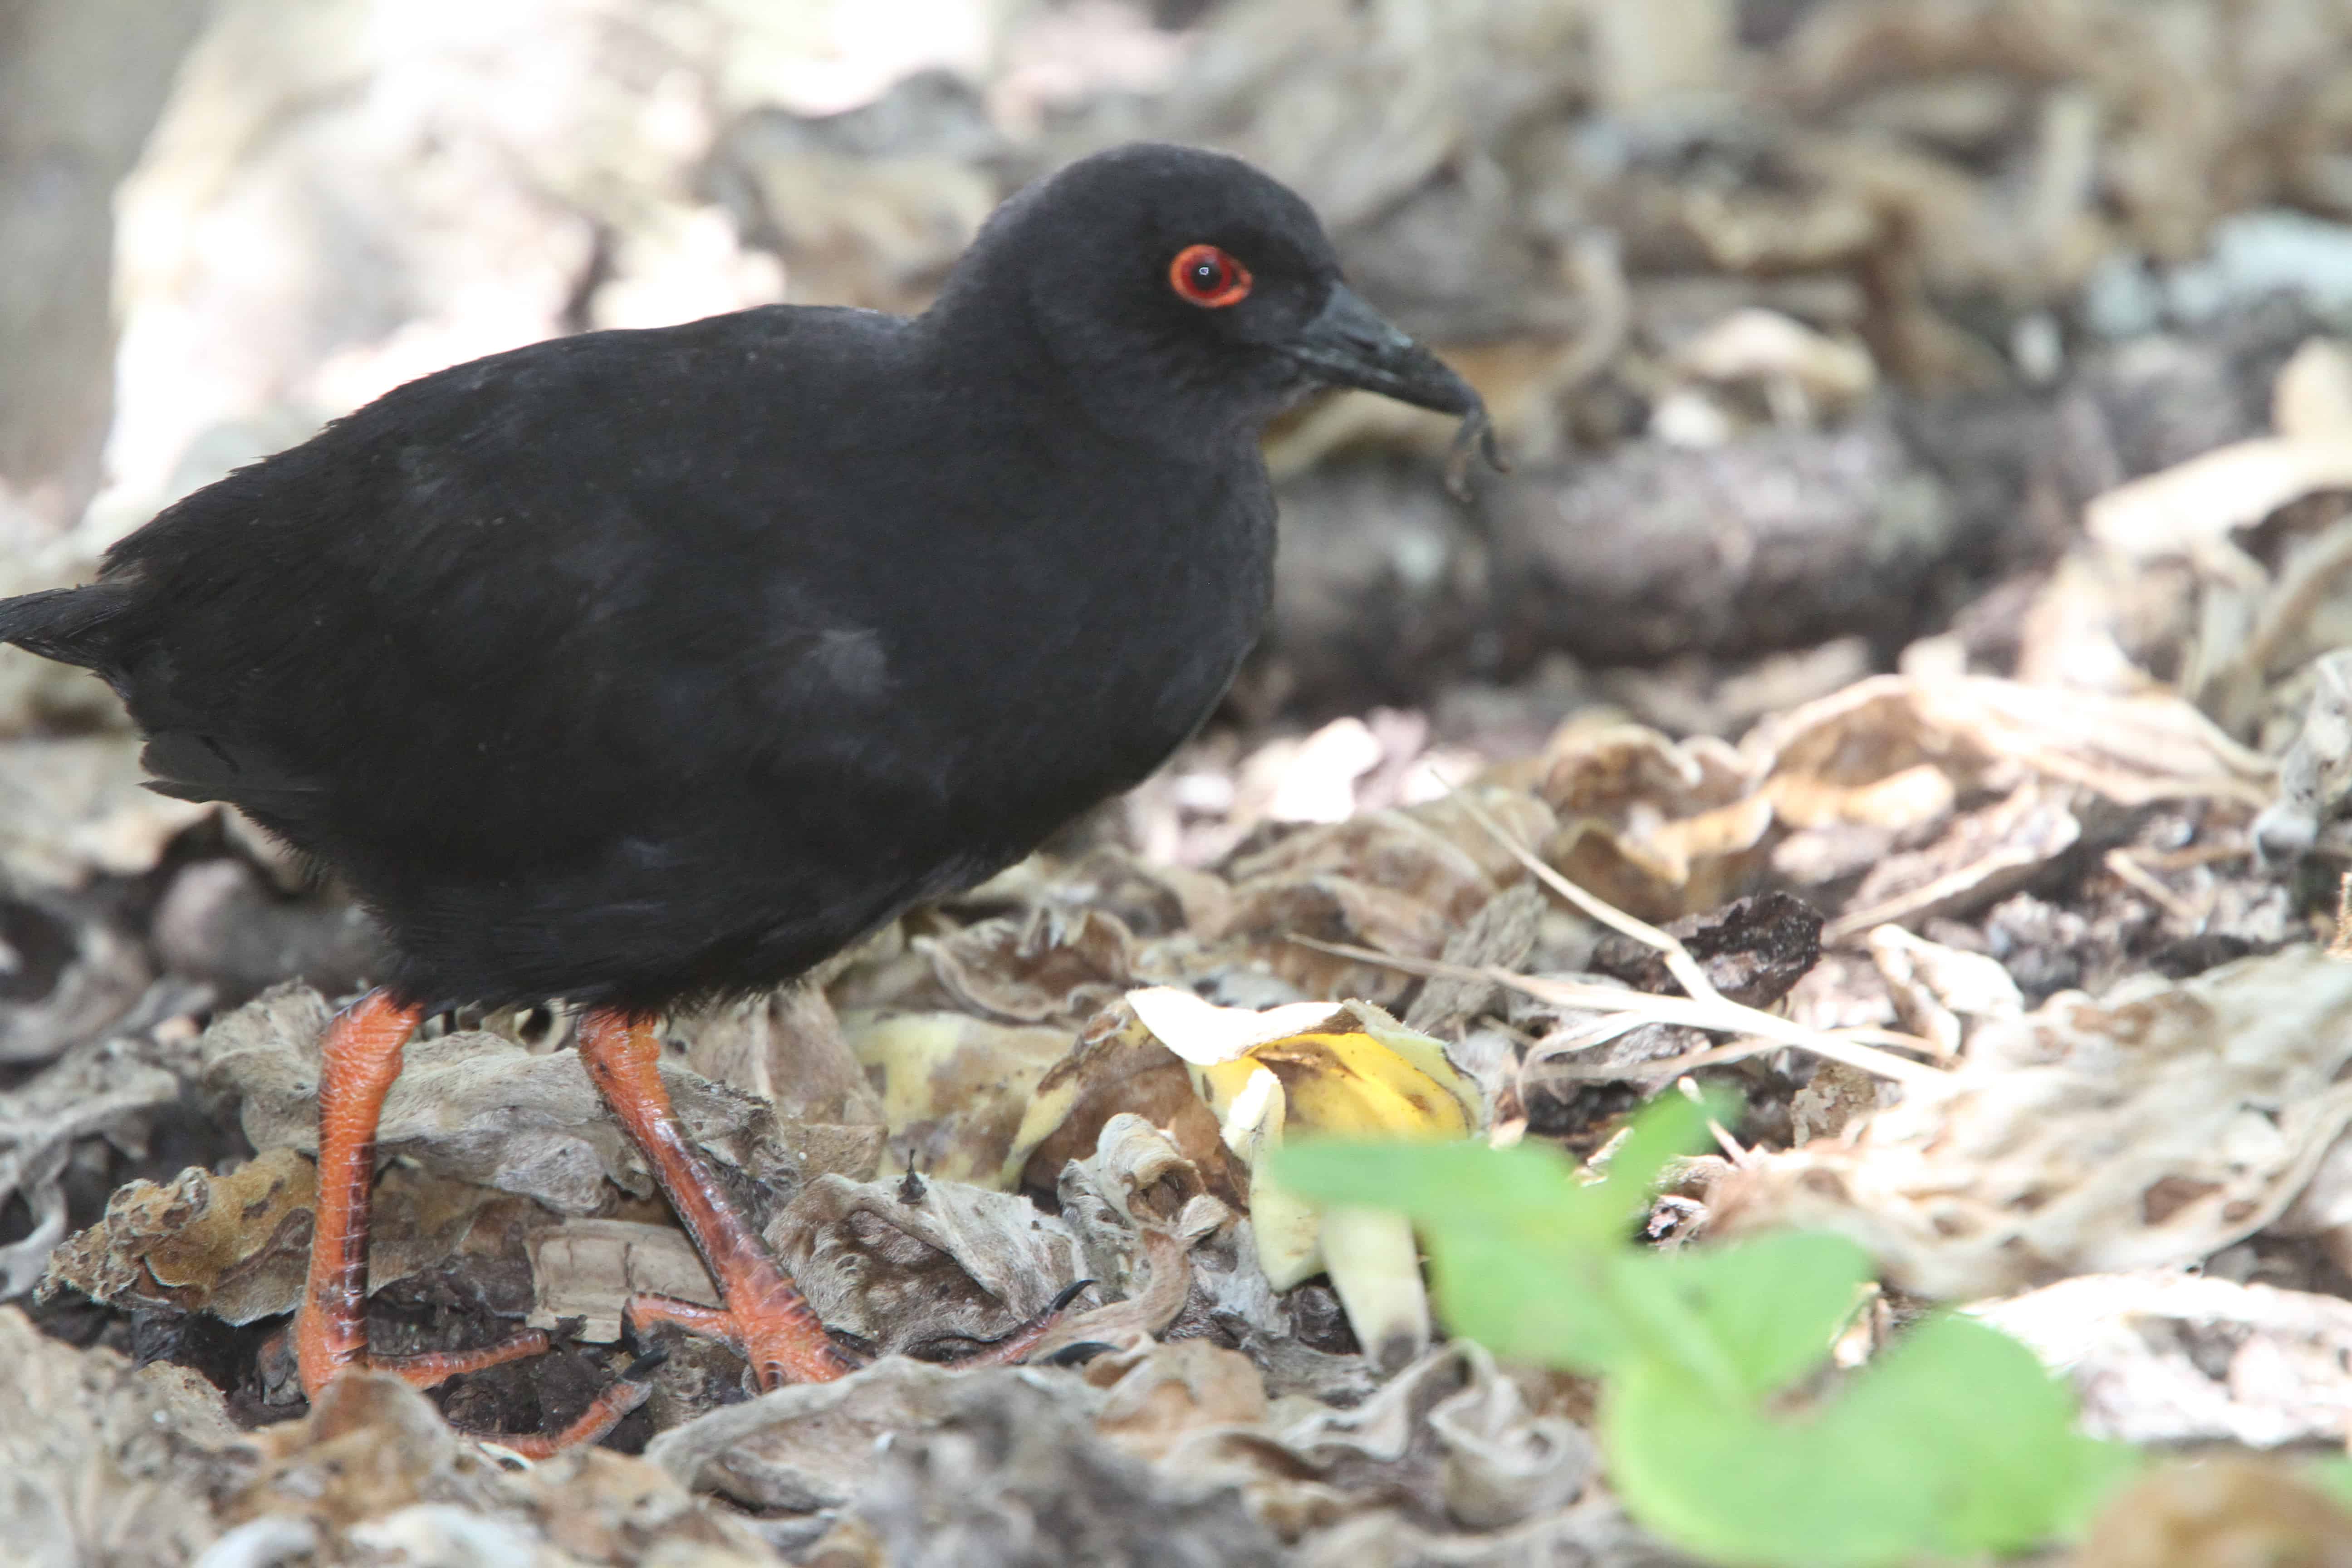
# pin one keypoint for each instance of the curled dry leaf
(1339, 910)
(2088, 1136)
(1156, 1395)
(1451, 1446)
(1989, 734)
(1054, 962)
(1435, 853)
(2172, 569)
(71, 808)
(1152, 899)
(97, 1089)
(1501, 935)
(1401, 881)
(1830, 790)
(376, 1474)
(2192, 505)
(809, 1446)
(105, 1463)
(1137, 1205)
(1657, 827)
(1981, 856)
(1934, 987)
(1455, 1429)
(994, 1467)
(1117, 1067)
(1802, 374)
(66, 979)
(788, 1048)
(2315, 774)
(959, 1262)
(1175, 1261)
(236, 1246)
(586, 1270)
(2173, 1359)
(1753, 951)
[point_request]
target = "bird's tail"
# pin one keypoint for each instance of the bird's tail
(72, 626)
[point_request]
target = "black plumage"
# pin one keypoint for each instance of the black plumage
(641, 666)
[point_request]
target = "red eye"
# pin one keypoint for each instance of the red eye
(1204, 275)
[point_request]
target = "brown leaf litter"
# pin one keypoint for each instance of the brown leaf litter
(2152, 1126)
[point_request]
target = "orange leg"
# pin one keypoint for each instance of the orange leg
(766, 1316)
(358, 1058)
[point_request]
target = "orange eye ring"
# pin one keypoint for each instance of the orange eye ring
(1205, 276)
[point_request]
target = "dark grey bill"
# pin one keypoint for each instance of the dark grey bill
(1348, 344)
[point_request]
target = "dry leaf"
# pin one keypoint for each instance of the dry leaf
(958, 1261)
(2149, 1128)
(956, 1091)
(2178, 1360)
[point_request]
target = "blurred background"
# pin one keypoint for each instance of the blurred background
(1816, 328)
(1810, 322)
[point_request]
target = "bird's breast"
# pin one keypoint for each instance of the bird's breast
(1082, 650)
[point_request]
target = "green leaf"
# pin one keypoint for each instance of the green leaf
(1508, 1230)
(1436, 1184)
(1662, 1130)
(1528, 1261)
(1955, 1442)
(2333, 1476)
(1547, 1300)
(1773, 1304)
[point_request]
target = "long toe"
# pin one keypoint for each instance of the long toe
(783, 1340)
(606, 1411)
(429, 1369)
(1015, 1346)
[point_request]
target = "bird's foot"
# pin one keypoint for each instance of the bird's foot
(604, 1411)
(430, 1369)
(324, 1348)
(783, 1339)
(785, 1343)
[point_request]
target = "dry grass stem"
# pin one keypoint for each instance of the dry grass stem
(1626, 1009)
(2139, 878)
(1679, 962)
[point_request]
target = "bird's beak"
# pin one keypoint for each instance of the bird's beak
(1348, 344)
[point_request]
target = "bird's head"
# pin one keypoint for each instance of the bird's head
(1187, 294)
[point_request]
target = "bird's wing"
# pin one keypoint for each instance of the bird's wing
(511, 605)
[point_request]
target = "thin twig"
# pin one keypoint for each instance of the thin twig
(1723, 1015)
(1723, 1138)
(2137, 876)
(1625, 1008)
(1679, 962)
(2193, 855)
(1738, 1050)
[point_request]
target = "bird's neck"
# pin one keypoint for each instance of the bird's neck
(985, 331)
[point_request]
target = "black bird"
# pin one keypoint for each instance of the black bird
(641, 666)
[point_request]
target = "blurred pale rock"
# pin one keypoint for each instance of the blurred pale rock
(81, 84)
